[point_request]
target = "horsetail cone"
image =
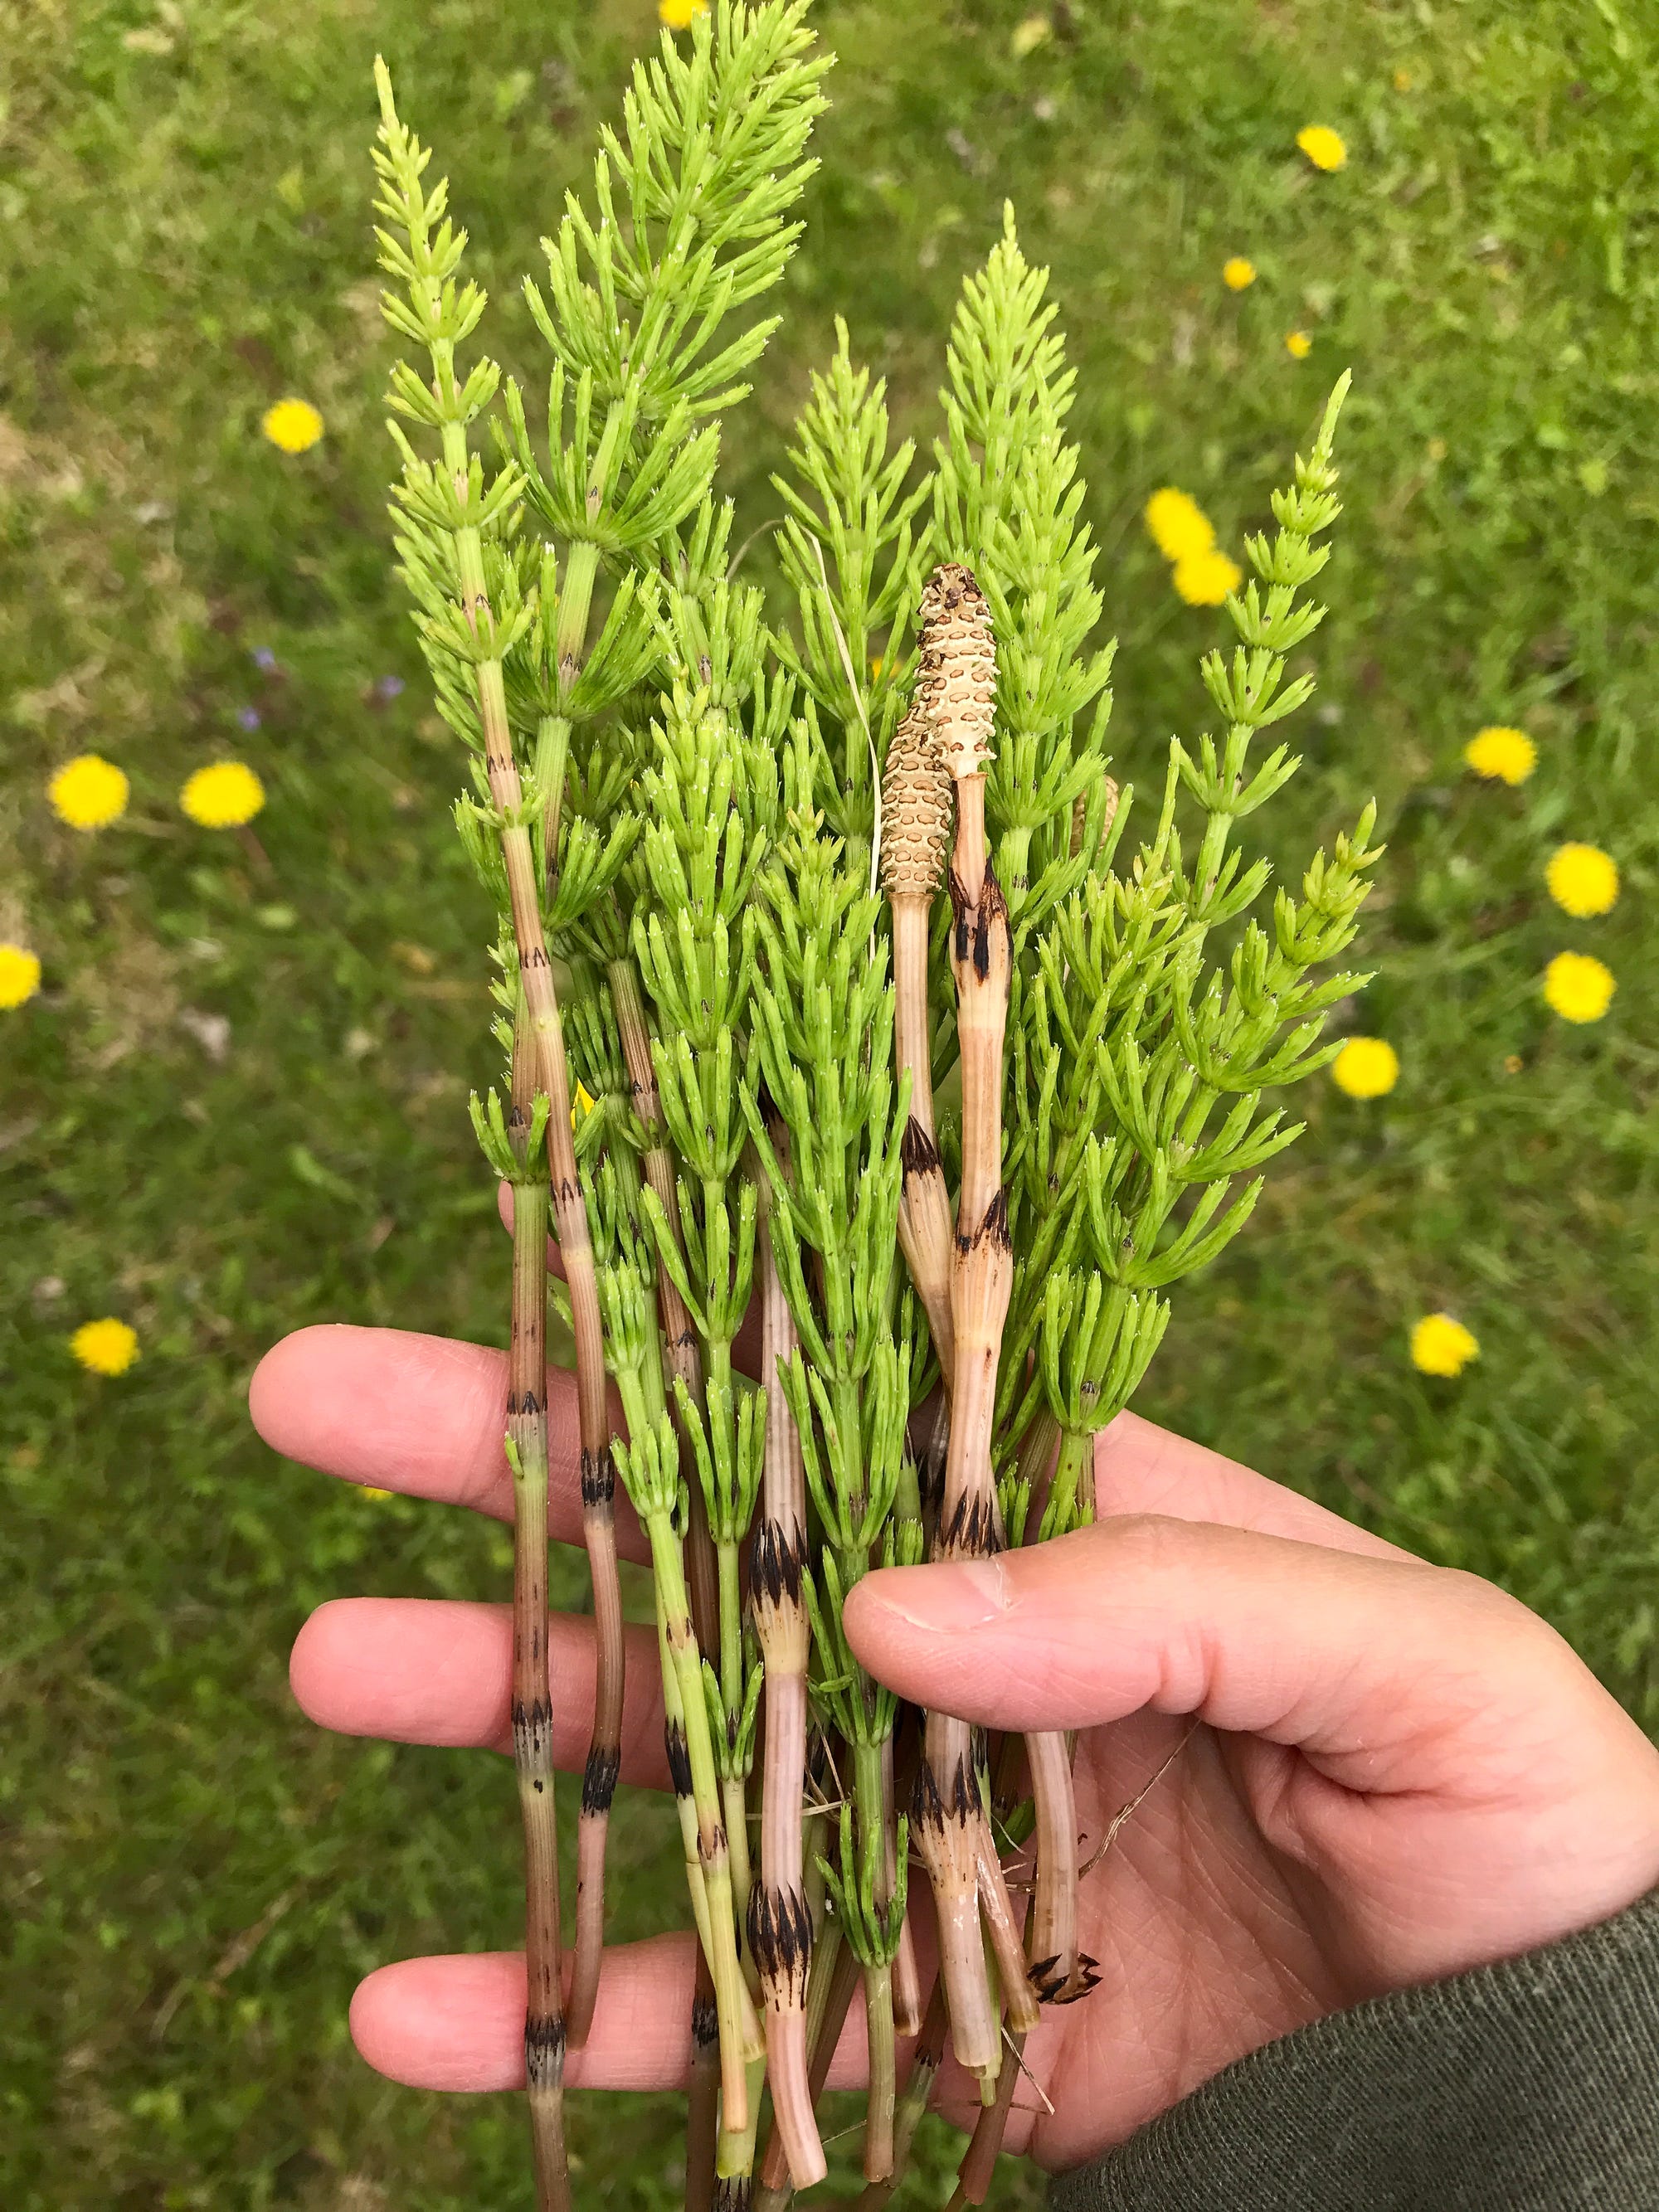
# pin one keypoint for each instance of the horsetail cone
(916, 810)
(959, 683)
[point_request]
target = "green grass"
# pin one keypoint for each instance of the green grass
(184, 200)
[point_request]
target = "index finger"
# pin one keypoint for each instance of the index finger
(423, 1415)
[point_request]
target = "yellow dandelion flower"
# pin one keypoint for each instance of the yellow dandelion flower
(1325, 148)
(293, 426)
(1366, 1068)
(20, 975)
(1582, 880)
(107, 1346)
(1297, 345)
(1403, 80)
(88, 792)
(680, 14)
(1577, 987)
(222, 796)
(1502, 755)
(1203, 580)
(1442, 1346)
(1238, 274)
(1178, 525)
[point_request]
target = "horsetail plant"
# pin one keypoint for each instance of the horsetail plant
(765, 882)
(514, 1147)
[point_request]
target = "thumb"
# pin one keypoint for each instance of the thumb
(1379, 1667)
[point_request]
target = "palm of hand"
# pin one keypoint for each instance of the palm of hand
(1399, 1773)
(1395, 1772)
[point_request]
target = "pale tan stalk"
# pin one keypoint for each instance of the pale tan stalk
(835, 1977)
(779, 1926)
(570, 1219)
(1059, 1971)
(915, 829)
(979, 2160)
(946, 1817)
(957, 692)
(1006, 1939)
(532, 1711)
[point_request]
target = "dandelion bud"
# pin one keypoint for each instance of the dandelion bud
(957, 690)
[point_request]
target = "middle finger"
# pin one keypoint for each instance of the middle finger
(439, 1671)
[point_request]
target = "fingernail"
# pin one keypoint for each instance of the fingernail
(950, 1598)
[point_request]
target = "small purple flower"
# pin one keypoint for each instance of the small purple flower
(248, 717)
(389, 687)
(263, 658)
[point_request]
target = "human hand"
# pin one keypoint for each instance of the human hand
(1398, 1772)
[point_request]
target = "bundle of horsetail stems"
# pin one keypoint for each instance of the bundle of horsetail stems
(875, 1087)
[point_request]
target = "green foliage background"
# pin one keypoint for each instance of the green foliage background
(193, 1877)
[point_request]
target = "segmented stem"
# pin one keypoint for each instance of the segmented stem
(951, 1827)
(740, 2037)
(1060, 1970)
(834, 1979)
(924, 1221)
(679, 1338)
(704, 2105)
(780, 1927)
(532, 1711)
(925, 2062)
(570, 1219)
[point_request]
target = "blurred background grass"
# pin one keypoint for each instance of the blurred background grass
(237, 1104)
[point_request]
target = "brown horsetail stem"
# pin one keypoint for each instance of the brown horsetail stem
(703, 2103)
(532, 1711)
(570, 1222)
(956, 695)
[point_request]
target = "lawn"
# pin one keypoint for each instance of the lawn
(237, 1103)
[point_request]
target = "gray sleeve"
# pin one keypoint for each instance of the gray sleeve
(1531, 2086)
